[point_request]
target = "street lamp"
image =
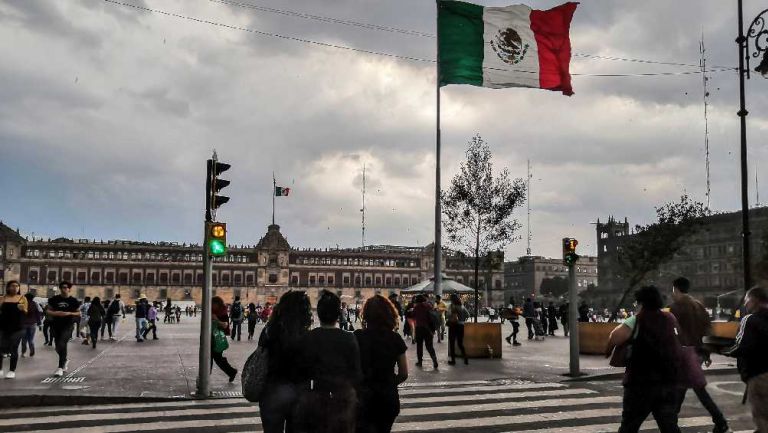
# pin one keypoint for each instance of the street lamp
(759, 35)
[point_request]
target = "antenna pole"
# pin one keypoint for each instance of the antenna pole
(363, 208)
(274, 191)
(528, 203)
(705, 80)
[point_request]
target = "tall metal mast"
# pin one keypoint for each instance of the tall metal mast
(705, 80)
(362, 210)
(528, 203)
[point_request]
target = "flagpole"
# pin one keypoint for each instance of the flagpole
(438, 208)
(274, 190)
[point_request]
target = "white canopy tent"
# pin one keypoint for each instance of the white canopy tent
(449, 285)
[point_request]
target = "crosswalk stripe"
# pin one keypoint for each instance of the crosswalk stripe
(475, 408)
(481, 388)
(611, 428)
(121, 406)
(151, 425)
(453, 383)
(492, 396)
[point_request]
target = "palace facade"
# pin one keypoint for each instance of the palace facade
(259, 273)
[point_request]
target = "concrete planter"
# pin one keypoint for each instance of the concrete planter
(593, 337)
(480, 337)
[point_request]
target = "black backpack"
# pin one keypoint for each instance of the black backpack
(114, 308)
(237, 312)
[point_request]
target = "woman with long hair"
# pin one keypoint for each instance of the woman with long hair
(287, 324)
(32, 320)
(220, 322)
(96, 314)
(381, 349)
(13, 307)
(457, 315)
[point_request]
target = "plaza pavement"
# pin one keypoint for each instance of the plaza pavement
(125, 370)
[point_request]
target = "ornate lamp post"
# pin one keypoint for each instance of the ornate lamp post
(758, 34)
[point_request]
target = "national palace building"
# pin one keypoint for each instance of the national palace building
(259, 273)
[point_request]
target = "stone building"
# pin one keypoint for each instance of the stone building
(711, 257)
(259, 273)
(533, 276)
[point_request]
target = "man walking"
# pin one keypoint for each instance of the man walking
(694, 323)
(152, 320)
(563, 314)
(142, 309)
(514, 317)
(64, 311)
(529, 313)
(236, 314)
(441, 308)
(114, 311)
(751, 351)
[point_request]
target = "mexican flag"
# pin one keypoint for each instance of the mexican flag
(498, 47)
(281, 191)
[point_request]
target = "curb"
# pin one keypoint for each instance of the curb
(15, 401)
(620, 375)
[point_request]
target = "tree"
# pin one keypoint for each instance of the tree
(555, 287)
(655, 244)
(478, 207)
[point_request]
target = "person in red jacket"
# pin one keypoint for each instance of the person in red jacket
(220, 319)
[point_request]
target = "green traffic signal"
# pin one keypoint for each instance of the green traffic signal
(216, 247)
(571, 259)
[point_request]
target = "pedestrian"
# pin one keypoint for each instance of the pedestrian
(651, 378)
(252, 318)
(281, 337)
(424, 329)
(32, 321)
(220, 324)
(82, 326)
(151, 322)
(541, 318)
(13, 309)
(381, 349)
(106, 322)
(140, 316)
(64, 311)
(168, 311)
(47, 327)
(178, 314)
(751, 352)
(96, 315)
(529, 314)
(266, 312)
(552, 318)
(457, 316)
(514, 318)
(398, 306)
(562, 313)
(695, 323)
(115, 310)
(583, 312)
(441, 308)
(344, 317)
(408, 328)
(236, 315)
(330, 364)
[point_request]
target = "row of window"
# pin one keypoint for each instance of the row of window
(323, 280)
(136, 256)
(224, 278)
(355, 261)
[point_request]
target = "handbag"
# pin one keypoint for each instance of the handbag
(220, 343)
(254, 374)
(622, 353)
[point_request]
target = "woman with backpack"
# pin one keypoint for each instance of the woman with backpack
(424, 329)
(288, 323)
(651, 378)
(381, 349)
(220, 326)
(96, 314)
(457, 315)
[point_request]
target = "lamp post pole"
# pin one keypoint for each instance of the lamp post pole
(759, 35)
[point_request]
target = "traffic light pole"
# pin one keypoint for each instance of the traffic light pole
(573, 321)
(204, 363)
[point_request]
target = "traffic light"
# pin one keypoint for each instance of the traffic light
(213, 185)
(569, 251)
(216, 235)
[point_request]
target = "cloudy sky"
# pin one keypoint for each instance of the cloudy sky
(108, 113)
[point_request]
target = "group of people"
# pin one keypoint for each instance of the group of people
(326, 379)
(663, 353)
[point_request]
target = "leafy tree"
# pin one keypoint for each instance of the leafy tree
(478, 207)
(555, 287)
(655, 244)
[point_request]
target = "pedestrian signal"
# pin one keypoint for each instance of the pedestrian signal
(217, 239)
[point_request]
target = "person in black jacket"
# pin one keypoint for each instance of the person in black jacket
(287, 324)
(751, 352)
(381, 349)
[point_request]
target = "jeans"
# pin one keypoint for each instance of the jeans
(515, 330)
(566, 326)
(222, 362)
(706, 400)
(641, 401)
(424, 336)
(141, 325)
(251, 328)
(236, 329)
(47, 332)
(61, 337)
(94, 332)
(29, 339)
(10, 344)
(106, 324)
(529, 325)
(456, 336)
(276, 407)
(115, 322)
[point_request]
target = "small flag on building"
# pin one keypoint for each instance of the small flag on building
(281, 191)
(498, 47)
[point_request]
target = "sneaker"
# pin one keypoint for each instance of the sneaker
(11, 375)
(59, 372)
(418, 364)
(31, 352)
(509, 340)
(434, 365)
(232, 378)
(516, 344)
